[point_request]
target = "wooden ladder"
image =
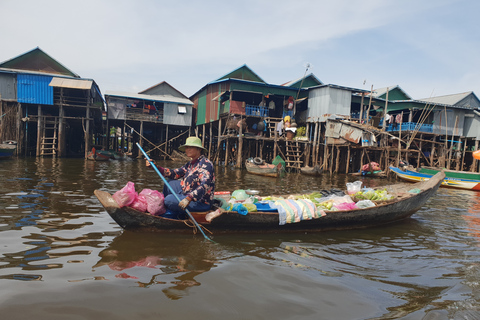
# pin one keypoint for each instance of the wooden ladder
(293, 160)
(49, 143)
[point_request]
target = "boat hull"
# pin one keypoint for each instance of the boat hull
(7, 150)
(451, 173)
(268, 170)
(97, 156)
(403, 207)
(413, 176)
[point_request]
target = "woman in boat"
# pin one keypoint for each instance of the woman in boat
(194, 183)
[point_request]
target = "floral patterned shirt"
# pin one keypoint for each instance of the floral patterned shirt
(197, 179)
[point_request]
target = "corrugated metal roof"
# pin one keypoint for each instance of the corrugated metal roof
(159, 98)
(71, 83)
(451, 99)
(380, 91)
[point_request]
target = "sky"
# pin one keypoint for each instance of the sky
(427, 47)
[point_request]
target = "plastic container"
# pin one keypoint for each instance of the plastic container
(225, 195)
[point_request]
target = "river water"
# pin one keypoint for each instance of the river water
(63, 257)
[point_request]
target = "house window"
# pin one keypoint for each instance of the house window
(182, 109)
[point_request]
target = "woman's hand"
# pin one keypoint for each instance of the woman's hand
(184, 203)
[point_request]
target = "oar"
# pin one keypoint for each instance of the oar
(172, 191)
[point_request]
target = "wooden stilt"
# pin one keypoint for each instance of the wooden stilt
(347, 167)
(227, 151)
(475, 161)
(39, 129)
(240, 145)
(219, 141)
(87, 133)
(337, 160)
(210, 141)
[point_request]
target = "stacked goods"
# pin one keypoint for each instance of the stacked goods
(373, 195)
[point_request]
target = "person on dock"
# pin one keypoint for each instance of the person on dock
(194, 183)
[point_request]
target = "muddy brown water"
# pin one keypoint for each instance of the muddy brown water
(63, 257)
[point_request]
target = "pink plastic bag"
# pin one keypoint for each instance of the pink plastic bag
(126, 195)
(346, 206)
(140, 204)
(154, 199)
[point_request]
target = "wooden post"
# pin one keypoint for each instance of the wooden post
(347, 167)
(369, 104)
(39, 130)
(432, 154)
(226, 151)
(275, 143)
(314, 152)
(474, 163)
(318, 127)
(18, 135)
(385, 115)
(325, 153)
(219, 141)
(87, 132)
(337, 161)
(203, 135)
(240, 145)
(61, 140)
(361, 109)
(399, 142)
(458, 155)
(451, 143)
(421, 152)
(122, 145)
(166, 140)
(141, 135)
(210, 141)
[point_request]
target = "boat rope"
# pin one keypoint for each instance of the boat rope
(194, 227)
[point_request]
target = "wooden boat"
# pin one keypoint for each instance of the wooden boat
(374, 174)
(311, 171)
(7, 149)
(414, 176)
(404, 205)
(451, 173)
(265, 169)
(95, 155)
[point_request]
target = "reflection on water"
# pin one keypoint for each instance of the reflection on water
(55, 236)
(151, 259)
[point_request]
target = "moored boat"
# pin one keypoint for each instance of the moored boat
(7, 149)
(451, 173)
(95, 155)
(311, 171)
(413, 176)
(404, 204)
(263, 169)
